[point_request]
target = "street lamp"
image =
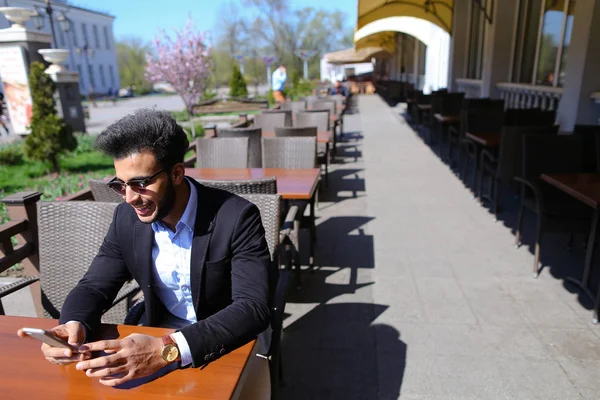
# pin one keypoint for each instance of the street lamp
(87, 51)
(38, 19)
(305, 55)
(65, 25)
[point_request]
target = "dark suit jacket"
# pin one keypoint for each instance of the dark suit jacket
(231, 274)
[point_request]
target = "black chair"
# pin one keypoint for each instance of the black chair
(556, 211)
(529, 117)
(507, 165)
(591, 146)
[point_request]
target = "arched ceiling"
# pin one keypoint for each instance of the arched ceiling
(438, 12)
(381, 33)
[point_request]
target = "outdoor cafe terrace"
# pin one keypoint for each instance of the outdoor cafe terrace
(418, 290)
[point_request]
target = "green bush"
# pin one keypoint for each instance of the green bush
(237, 84)
(199, 131)
(11, 155)
(85, 144)
(180, 116)
(50, 136)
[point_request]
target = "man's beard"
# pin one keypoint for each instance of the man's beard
(166, 204)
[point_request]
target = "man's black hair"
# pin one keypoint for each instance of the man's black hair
(145, 130)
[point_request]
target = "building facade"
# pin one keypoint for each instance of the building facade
(89, 39)
(531, 53)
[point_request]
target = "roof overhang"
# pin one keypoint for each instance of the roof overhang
(438, 12)
(381, 33)
(352, 56)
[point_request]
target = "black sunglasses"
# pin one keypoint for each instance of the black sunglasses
(137, 185)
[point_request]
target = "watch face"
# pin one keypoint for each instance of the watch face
(170, 353)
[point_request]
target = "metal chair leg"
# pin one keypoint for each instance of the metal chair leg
(519, 224)
(538, 243)
(496, 189)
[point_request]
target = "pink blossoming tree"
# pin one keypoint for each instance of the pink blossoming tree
(183, 62)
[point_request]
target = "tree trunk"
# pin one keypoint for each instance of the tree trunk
(54, 163)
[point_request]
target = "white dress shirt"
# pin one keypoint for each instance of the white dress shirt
(171, 255)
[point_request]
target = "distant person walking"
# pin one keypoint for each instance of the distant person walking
(278, 83)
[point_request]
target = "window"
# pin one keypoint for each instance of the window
(102, 80)
(74, 32)
(477, 32)
(106, 38)
(542, 41)
(60, 37)
(96, 37)
(91, 75)
(111, 74)
(85, 35)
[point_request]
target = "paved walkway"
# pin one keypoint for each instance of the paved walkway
(421, 294)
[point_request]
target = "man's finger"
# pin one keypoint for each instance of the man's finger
(106, 372)
(100, 362)
(109, 381)
(102, 345)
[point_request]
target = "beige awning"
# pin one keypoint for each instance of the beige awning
(383, 40)
(351, 56)
(438, 12)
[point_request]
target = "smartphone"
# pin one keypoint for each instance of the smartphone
(48, 338)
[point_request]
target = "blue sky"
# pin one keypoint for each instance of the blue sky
(143, 18)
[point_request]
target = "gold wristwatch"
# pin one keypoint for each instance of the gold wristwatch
(170, 351)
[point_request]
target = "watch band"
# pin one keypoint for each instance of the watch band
(167, 339)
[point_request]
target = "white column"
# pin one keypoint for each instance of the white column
(459, 43)
(582, 72)
(498, 46)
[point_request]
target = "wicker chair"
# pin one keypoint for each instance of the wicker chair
(294, 106)
(295, 153)
(503, 168)
(591, 146)
(103, 193)
(222, 152)
(69, 236)
(253, 186)
(290, 152)
(318, 118)
(254, 144)
(556, 210)
(287, 115)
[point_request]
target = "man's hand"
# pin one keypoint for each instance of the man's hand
(74, 334)
(133, 357)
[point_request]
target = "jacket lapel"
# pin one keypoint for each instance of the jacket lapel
(143, 237)
(205, 216)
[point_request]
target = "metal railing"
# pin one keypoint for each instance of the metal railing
(470, 87)
(522, 95)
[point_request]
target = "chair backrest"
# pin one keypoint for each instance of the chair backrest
(591, 146)
(222, 152)
(287, 115)
(69, 236)
(551, 154)
(488, 119)
(452, 103)
(268, 122)
(102, 192)
(288, 131)
(529, 117)
(294, 106)
(317, 117)
(324, 104)
(268, 205)
(290, 152)
(251, 186)
(254, 143)
(510, 157)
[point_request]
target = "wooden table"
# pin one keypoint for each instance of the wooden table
(293, 184)
(26, 375)
(486, 139)
(585, 188)
(447, 119)
(322, 136)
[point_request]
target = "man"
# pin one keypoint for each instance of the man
(278, 83)
(338, 89)
(198, 254)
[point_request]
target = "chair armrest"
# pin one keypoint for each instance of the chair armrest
(489, 157)
(288, 224)
(537, 193)
(18, 285)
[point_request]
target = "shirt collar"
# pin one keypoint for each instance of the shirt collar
(189, 215)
